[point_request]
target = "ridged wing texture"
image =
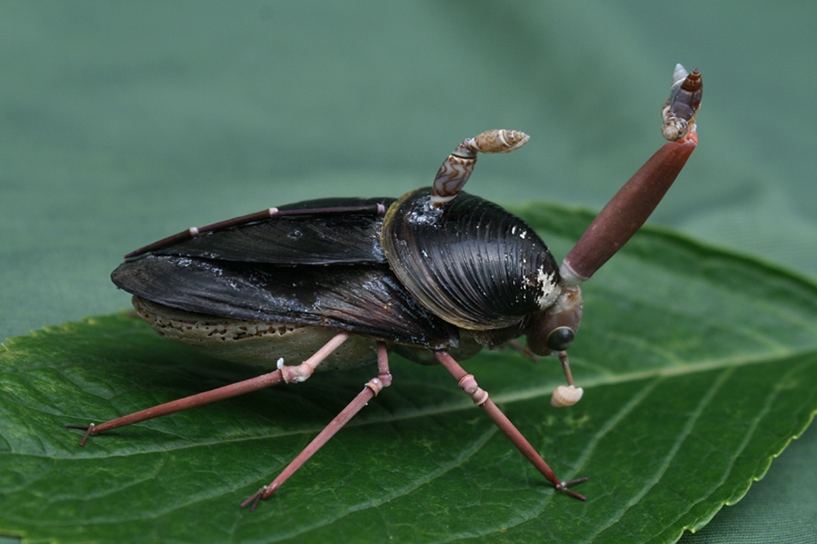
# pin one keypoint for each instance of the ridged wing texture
(471, 262)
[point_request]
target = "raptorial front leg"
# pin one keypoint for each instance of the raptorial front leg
(470, 387)
(285, 374)
(370, 390)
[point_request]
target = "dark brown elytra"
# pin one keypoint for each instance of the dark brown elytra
(435, 276)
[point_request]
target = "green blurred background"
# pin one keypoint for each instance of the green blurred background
(121, 123)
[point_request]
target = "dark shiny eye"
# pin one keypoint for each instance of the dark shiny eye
(560, 339)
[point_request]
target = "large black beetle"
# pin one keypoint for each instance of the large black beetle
(436, 275)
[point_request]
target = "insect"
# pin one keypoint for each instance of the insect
(436, 276)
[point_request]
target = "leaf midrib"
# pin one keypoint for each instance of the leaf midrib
(540, 391)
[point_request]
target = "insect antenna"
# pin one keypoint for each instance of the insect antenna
(457, 167)
(635, 201)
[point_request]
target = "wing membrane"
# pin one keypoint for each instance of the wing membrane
(364, 299)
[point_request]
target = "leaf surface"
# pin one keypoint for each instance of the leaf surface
(698, 367)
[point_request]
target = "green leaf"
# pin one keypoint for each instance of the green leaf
(698, 368)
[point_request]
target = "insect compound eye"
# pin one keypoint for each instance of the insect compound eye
(560, 338)
(552, 330)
